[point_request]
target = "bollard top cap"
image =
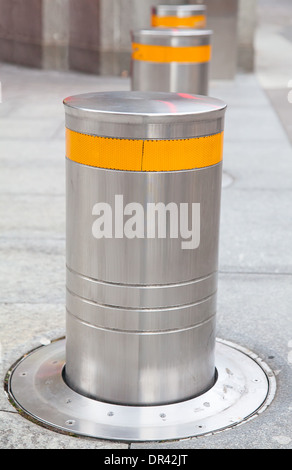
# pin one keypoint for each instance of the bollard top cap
(144, 115)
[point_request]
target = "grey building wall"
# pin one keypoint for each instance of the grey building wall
(35, 32)
(84, 45)
(20, 32)
(247, 23)
(234, 23)
(94, 35)
(222, 18)
(55, 33)
(100, 33)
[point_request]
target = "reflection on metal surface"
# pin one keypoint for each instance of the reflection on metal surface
(140, 115)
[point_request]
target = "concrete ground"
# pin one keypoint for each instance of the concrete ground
(255, 279)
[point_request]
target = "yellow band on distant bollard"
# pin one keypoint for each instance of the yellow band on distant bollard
(198, 21)
(144, 155)
(153, 53)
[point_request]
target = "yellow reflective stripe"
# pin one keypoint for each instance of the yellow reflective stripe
(153, 53)
(172, 155)
(104, 152)
(176, 22)
(144, 155)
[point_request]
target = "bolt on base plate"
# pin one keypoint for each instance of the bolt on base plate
(244, 388)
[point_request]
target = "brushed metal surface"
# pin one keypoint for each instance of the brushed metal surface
(181, 11)
(245, 386)
(141, 295)
(140, 319)
(138, 367)
(141, 311)
(141, 261)
(171, 77)
(174, 37)
(188, 77)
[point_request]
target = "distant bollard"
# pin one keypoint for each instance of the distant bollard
(171, 60)
(178, 16)
(143, 203)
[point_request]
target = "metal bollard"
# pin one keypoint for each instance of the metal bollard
(140, 361)
(171, 60)
(178, 16)
(143, 203)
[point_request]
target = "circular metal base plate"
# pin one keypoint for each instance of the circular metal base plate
(245, 386)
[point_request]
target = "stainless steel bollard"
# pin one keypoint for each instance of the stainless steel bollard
(143, 207)
(178, 16)
(171, 60)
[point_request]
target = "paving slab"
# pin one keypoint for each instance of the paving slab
(258, 166)
(256, 231)
(19, 433)
(273, 43)
(33, 271)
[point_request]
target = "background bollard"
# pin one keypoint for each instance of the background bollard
(141, 306)
(178, 16)
(171, 60)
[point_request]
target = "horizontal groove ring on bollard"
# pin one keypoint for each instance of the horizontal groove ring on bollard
(142, 260)
(179, 16)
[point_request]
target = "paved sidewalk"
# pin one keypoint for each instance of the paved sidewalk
(274, 50)
(255, 279)
(255, 295)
